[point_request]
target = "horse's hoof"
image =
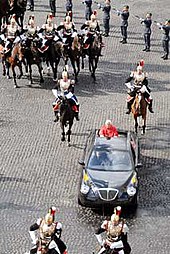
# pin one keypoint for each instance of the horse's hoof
(16, 86)
(68, 144)
(19, 76)
(62, 139)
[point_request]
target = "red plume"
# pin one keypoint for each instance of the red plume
(53, 210)
(142, 63)
(118, 210)
(95, 12)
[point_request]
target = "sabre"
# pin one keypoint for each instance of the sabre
(113, 8)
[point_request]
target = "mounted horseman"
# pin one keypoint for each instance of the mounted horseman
(48, 33)
(11, 31)
(30, 31)
(65, 89)
(116, 231)
(91, 30)
(51, 47)
(48, 240)
(69, 31)
(140, 83)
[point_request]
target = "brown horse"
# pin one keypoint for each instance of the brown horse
(32, 57)
(139, 109)
(16, 59)
(93, 52)
(74, 53)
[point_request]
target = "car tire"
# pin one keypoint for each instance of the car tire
(79, 202)
(134, 203)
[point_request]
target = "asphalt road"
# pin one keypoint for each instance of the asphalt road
(37, 170)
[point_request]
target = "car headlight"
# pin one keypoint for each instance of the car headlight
(87, 184)
(84, 188)
(131, 188)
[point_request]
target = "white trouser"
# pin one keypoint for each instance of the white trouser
(53, 245)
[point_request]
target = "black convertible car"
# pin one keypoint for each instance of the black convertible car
(109, 174)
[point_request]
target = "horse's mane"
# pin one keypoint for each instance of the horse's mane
(96, 43)
(139, 106)
(76, 43)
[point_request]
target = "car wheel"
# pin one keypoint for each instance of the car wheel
(134, 203)
(79, 202)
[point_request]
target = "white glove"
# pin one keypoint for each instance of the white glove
(158, 24)
(141, 19)
(118, 245)
(99, 6)
(33, 237)
(99, 239)
(128, 85)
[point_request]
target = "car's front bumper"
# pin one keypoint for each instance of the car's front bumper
(84, 200)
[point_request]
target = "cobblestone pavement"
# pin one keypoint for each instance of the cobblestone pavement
(37, 170)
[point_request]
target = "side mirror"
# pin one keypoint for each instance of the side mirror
(139, 165)
(81, 162)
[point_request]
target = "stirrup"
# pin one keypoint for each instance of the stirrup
(128, 112)
(151, 110)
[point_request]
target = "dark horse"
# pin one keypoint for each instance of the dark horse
(93, 52)
(66, 118)
(32, 57)
(139, 109)
(52, 56)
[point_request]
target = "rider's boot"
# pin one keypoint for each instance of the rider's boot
(76, 111)
(128, 107)
(150, 105)
(56, 113)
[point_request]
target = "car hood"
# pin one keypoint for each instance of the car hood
(107, 179)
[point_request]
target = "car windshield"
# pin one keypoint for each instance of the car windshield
(109, 160)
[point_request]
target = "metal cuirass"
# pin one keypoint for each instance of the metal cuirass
(11, 31)
(47, 231)
(49, 28)
(113, 231)
(68, 26)
(92, 25)
(31, 30)
(64, 85)
(139, 78)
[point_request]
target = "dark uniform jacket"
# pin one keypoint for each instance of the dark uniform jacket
(124, 17)
(166, 30)
(147, 23)
(106, 11)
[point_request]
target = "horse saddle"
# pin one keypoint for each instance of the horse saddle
(86, 46)
(43, 48)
